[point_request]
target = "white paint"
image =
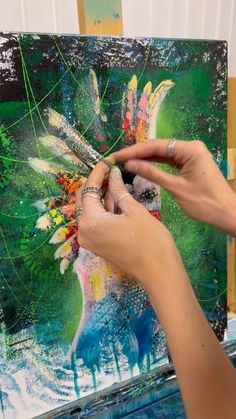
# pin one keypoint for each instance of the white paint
(209, 19)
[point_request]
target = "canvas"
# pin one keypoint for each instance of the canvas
(71, 323)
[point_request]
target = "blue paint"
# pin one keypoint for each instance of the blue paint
(105, 340)
(116, 15)
(76, 386)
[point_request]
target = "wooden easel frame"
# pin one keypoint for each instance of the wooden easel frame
(104, 18)
(231, 248)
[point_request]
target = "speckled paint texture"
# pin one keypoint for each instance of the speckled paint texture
(71, 324)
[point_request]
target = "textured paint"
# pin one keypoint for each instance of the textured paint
(71, 323)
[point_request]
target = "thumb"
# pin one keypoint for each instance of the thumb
(148, 171)
(119, 192)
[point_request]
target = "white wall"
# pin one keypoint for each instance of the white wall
(209, 19)
(212, 19)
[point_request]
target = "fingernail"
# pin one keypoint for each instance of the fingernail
(115, 171)
(110, 161)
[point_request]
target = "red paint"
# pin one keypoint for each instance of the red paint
(156, 214)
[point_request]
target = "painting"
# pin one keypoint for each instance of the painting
(72, 324)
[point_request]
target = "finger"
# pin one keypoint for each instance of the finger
(147, 170)
(92, 201)
(121, 196)
(109, 202)
(157, 150)
(78, 197)
(163, 160)
(98, 175)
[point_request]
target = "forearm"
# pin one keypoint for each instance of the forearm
(224, 215)
(206, 377)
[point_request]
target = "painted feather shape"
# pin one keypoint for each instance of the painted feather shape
(139, 111)
(155, 101)
(139, 121)
(89, 108)
(140, 114)
(61, 150)
(45, 167)
(73, 139)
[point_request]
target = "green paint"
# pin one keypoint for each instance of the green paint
(102, 9)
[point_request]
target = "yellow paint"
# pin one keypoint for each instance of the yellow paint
(98, 286)
(108, 270)
(63, 251)
(53, 213)
(148, 88)
(100, 17)
(166, 84)
(133, 83)
(55, 118)
(58, 219)
(111, 159)
(95, 87)
(66, 246)
(141, 131)
(59, 235)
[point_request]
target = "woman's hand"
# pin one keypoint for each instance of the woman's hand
(133, 241)
(199, 187)
(140, 245)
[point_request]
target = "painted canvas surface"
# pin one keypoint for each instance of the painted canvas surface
(71, 324)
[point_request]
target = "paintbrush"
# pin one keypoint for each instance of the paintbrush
(74, 140)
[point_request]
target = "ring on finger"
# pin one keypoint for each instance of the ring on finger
(79, 212)
(94, 189)
(122, 197)
(170, 148)
(93, 194)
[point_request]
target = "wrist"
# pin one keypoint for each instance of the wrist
(159, 264)
(225, 218)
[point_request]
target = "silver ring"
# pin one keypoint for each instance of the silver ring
(93, 194)
(78, 212)
(170, 148)
(93, 189)
(123, 196)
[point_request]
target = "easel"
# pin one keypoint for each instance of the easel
(100, 17)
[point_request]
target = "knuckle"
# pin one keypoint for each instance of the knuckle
(87, 229)
(199, 146)
(148, 169)
(120, 192)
